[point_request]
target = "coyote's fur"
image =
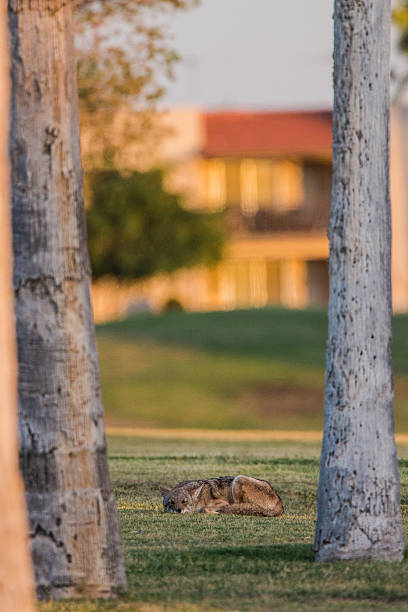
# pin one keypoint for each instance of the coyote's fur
(223, 495)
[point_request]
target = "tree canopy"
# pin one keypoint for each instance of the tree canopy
(400, 20)
(123, 51)
(136, 228)
(125, 60)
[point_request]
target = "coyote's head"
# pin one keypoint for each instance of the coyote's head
(185, 497)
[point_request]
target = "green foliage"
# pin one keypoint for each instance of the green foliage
(400, 20)
(136, 228)
(173, 305)
(123, 51)
(400, 14)
(203, 563)
(125, 60)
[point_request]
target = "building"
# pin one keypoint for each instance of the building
(271, 173)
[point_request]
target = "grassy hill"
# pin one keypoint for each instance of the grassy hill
(234, 370)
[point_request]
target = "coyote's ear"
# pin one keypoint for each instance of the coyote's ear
(164, 489)
(197, 492)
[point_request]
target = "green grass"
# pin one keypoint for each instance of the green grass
(203, 562)
(244, 369)
(235, 370)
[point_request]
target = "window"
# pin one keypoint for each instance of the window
(287, 185)
(254, 184)
(265, 187)
(233, 176)
(258, 283)
(274, 184)
(249, 187)
(215, 183)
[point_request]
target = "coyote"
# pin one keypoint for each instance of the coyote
(224, 495)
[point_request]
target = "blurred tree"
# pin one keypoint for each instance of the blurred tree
(16, 580)
(400, 20)
(136, 228)
(74, 527)
(359, 496)
(124, 59)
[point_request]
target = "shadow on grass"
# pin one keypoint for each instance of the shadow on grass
(225, 559)
(257, 577)
(291, 336)
(228, 459)
(272, 333)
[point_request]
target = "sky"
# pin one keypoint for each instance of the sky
(254, 54)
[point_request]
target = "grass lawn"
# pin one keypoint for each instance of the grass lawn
(244, 369)
(259, 369)
(202, 562)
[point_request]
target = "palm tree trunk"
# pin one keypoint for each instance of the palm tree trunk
(73, 519)
(359, 495)
(16, 580)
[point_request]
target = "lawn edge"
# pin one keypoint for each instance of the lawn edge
(226, 434)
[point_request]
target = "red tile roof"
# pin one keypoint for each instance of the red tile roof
(267, 133)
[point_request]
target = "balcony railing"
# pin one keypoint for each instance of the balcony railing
(267, 220)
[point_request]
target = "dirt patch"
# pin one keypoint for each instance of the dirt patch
(278, 399)
(401, 389)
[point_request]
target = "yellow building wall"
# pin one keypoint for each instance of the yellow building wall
(254, 273)
(257, 270)
(399, 206)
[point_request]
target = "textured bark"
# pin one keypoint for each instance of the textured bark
(74, 526)
(359, 497)
(16, 580)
